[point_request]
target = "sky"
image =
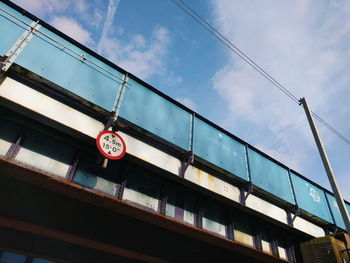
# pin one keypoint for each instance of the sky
(304, 44)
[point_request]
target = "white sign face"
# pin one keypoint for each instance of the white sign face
(315, 195)
(111, 145)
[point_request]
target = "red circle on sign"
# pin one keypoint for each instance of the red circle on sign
(104, 152)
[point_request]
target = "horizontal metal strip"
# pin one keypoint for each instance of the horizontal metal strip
(48, 232)
(76, 120)
(76, 191)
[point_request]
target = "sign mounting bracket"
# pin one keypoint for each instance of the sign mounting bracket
(20, 44)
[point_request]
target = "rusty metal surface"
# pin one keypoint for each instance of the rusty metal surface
(44, 231)
(62, 186)
(227, 152)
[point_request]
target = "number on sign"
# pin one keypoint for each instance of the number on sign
(111, 145)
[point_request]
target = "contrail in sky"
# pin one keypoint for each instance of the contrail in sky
(112, 8)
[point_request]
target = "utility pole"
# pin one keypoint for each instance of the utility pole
(327, 166)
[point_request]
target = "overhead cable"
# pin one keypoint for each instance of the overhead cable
(212, 30)
(65, 47)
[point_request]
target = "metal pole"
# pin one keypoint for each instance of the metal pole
(327, 166)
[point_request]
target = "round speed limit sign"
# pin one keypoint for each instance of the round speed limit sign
(111, 145)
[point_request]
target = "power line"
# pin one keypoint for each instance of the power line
(317, 117)
(212, 30)
(64, 47)
(233, 48)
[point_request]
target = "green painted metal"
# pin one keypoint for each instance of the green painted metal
(61, 61)
(220, 149)
(10, 28)
(269, 176)
(157, 115)
(311, 198)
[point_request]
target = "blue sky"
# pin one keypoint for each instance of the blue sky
(304, 44)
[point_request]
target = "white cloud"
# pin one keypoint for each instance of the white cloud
(80, 6)
(304, 45)
(72, 28)
(96, 18)
(140, 54)
(87, 11)
(42, 7)
(171, 79)
(142, 57)
(139, 41)
(148, 61)
(112, 8)
(188, 103)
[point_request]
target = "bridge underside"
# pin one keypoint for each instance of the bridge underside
(62, 221)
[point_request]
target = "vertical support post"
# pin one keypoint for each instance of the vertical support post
(291, 253)
(247, 162)
(198, 218)
(193, 116)
(2, 73)
(72, 168)
(249, 188)
(162, 200)
(121, 183)
(230, 229)
(292, 187)
(18, 47)
(327, 166)
(229, 224)
(190, 154)
(115, 115)
(179, 205)
(73, 165)
(198, 211)
(295, 211)
(295, 208)
(16, 146)
(257, 238)
(120, 97)
(274, 248)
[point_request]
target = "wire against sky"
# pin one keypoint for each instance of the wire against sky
(212, 30)
(64, 46)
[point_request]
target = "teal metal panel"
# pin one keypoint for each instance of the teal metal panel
(214, 218)
(189, 208)
(335, 211)
(45, 153)
(94, 182)
(50, 147)
(152, 112)
(220, 149)
(60, 66)
(270, 176)
(9, 132)
(89, 173)
(10, 28)
(310, 198)
(9, 257)
(170, 201)
(141, 190)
